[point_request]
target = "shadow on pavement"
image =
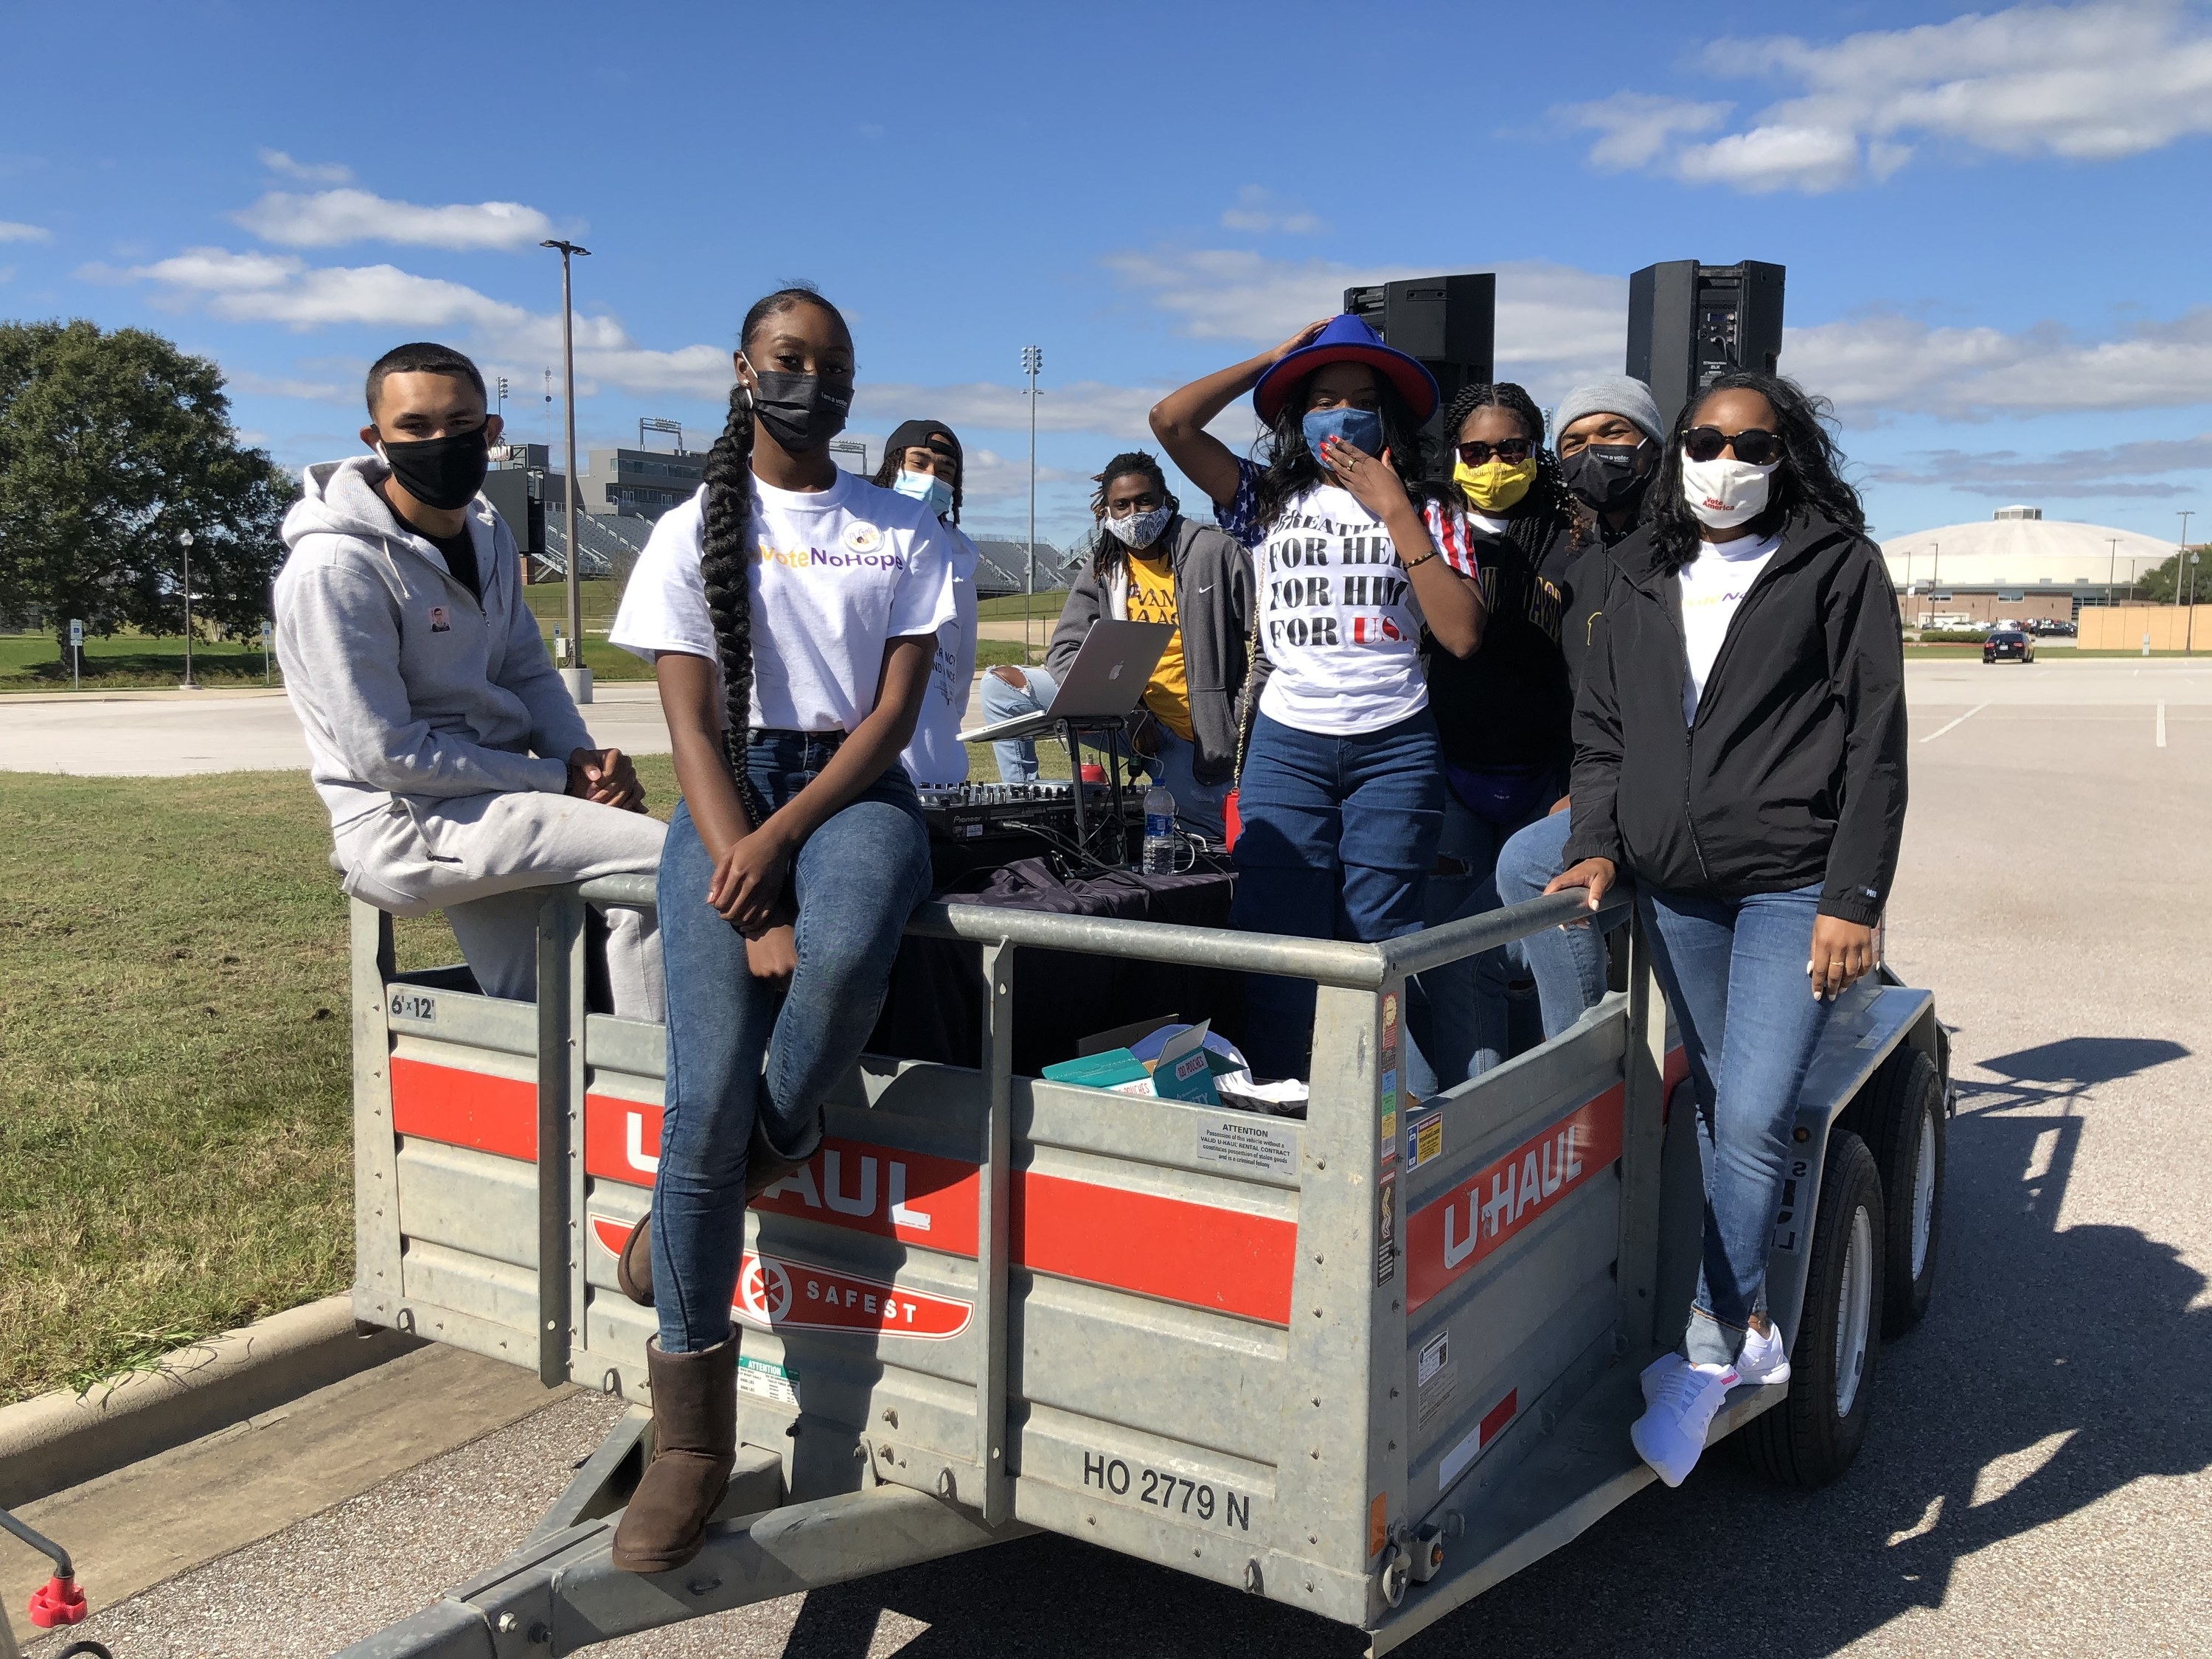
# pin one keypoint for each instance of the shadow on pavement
(2056, 1367)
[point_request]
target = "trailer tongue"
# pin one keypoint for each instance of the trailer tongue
(1359, 1363)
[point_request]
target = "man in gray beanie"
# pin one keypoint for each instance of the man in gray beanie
(1608, 448)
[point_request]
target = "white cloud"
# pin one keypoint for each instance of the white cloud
(2141, 470)
(307, 172)
(1878, 365)
(1258, 213)
(2090, 81)
(12, 232)
(1092, 406)
(331, 218)
(1556, 324)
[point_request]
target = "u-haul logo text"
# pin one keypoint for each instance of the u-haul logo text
(913, 1197)
(1449, 1235)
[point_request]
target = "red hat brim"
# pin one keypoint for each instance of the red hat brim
(1409, 374)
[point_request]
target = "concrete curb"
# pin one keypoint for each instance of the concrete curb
(62, 1439)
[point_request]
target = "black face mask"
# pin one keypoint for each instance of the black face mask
(1604, 475)
(801, 411)
(442, 472)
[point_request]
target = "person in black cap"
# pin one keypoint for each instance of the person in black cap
(1340, 788)
(923, 459)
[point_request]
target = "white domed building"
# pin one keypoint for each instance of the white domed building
(2015, 566)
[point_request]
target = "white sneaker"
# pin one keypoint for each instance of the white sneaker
(1657, 1372)
(1764, 1359)
(1671, 1435)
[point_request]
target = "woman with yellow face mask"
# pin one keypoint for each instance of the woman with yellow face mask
(1503, 713)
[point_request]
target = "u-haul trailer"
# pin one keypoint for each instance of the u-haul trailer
(1356, 1366)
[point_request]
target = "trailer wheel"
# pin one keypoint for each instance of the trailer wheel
(1811, 1437)
(1899, 1115)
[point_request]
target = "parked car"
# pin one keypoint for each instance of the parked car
(2008, 644)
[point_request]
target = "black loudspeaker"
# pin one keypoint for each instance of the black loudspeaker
(1450, 323)
(1689, 324)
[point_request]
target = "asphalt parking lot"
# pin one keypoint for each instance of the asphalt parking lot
(2038, 1480)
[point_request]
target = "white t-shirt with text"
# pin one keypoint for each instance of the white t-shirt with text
(836, 574)
(937, 757)
(1338, 618)
(1713, 587)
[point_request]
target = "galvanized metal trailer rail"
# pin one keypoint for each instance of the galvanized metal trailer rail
(1353, 1364)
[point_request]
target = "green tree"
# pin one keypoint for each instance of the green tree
(110, 444)
(2158, 587)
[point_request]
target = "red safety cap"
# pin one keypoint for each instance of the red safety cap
(59, 1603)
(1093, 773)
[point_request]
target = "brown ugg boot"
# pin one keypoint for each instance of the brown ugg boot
(695, 1431)
(764, 1167)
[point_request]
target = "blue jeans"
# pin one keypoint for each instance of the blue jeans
(1199, 805)
(740, 1048)
(1568, 962)
(1733, 972)
(1338, 834)
(1460, 1011)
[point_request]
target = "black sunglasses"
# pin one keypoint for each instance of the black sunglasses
(1512, 451)
(1753, 445)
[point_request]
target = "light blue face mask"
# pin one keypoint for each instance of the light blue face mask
(927, 487)
(1360, 428)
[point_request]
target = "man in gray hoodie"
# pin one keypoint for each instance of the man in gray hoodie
(458, 772)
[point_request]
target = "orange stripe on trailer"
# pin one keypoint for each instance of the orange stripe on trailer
(1452, 1235)
(1168, 1248)
(464, 1109)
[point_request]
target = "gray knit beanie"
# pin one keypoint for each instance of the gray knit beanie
(1617, 394)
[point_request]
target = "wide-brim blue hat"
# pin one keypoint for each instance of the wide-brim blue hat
(1346, 340)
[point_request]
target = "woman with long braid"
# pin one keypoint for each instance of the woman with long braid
(790, 610)
(1503, 714)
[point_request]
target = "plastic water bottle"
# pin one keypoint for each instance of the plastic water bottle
(1159, 831)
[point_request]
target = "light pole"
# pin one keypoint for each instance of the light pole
(185, 541)
(1032, 366)
(578, 677)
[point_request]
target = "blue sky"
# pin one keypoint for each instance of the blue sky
(1994, 223)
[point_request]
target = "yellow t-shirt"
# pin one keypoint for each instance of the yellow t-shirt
(1152, 599)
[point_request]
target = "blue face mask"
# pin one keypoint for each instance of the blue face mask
(1360, 428)
(927, 487)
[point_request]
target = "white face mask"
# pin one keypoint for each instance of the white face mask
(1725, 492)
(1140, 529)
(925, 487)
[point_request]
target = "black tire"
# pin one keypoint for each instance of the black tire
(1811, 1437)
(1899, 1115)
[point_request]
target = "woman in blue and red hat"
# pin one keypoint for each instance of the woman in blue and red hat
(1340, 787)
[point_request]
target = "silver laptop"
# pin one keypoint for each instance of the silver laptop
(1108, 677)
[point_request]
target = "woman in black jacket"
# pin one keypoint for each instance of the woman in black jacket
(1740, 751)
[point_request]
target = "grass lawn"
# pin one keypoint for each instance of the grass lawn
(175, 1136)
(34, 662)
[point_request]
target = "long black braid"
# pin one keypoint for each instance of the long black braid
(725, 554)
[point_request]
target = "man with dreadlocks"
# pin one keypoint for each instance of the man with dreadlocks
(1149, 563)
(923, 459)
(791, 612)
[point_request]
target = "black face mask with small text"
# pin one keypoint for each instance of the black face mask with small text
(442, 472)
(801, 412)
(1604, 476)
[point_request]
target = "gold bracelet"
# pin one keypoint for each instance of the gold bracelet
(1419, 562)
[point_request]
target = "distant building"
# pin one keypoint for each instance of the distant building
(639, 483)
(1004, 566)
(2015, 566)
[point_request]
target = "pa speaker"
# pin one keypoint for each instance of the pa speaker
(1449, 323)
(1688, 324)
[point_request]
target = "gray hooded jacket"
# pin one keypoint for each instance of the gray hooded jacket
(407, 687)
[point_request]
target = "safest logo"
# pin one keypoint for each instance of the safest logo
(784, 1295)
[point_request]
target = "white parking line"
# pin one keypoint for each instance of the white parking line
(1961, 721)
(2162, 725)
